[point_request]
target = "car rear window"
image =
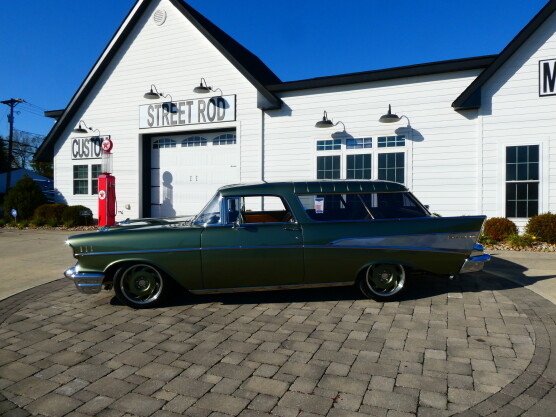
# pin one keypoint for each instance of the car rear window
(362, 206)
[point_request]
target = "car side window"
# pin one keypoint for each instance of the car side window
(258, 209)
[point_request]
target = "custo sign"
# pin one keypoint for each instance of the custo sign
(188, 112)
(87, 148)
(547, 77)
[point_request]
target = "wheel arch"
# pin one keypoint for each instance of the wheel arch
(114, 266)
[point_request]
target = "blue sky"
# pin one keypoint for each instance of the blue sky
(49, 46)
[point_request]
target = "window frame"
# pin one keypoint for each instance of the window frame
(224, 212)
(538, 181)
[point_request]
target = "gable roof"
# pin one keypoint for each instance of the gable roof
(248, 64)
(470, 98)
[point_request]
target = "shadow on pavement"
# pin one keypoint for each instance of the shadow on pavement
(420, 287)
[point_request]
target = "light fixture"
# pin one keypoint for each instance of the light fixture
(153, 94)
(203, 88)
(326, 122)
(82, 128)
(392, 118)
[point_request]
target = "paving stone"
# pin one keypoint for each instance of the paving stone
(304, 370)
(16, 371)
(88, 372)
(33, 387)
(159, 371)
(263, 402)
(422, 382)
(311, 403)
(391, 400)
(188, 387)
(95, 405)
(53, 405)
(222, 403)
(465, 397)
(137, 404)
(343, 384)
(267, 357)
(432, 400)
(179, 404)
(111, 387)
(266, 386)
(230, 371)
(68, 358)
(72, 387)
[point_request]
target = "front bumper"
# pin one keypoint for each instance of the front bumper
(476, 261)
(85, 282)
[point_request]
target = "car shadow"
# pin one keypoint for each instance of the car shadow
(418, 287)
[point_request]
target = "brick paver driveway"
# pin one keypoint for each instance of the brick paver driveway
(475, 346)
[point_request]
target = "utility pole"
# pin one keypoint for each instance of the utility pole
(12, 103)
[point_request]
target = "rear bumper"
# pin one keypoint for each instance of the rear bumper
(476, 262)
(85, 282)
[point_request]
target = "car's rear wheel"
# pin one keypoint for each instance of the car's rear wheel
(383, 282)
(140, 285)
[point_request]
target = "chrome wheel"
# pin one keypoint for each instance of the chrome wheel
(385, 280)
(141, 284)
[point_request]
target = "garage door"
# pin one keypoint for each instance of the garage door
(187, 170)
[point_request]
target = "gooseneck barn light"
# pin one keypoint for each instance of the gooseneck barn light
(83, 129)
(392, 118)
(203, 88)
(153, 94)
(326, 122)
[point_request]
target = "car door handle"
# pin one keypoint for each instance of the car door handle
(294, 228)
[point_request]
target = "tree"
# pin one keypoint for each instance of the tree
(24, 145)
(25, 196)
(3, 155)
(43, 168)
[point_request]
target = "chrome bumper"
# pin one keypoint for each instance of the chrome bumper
(476, 261)
(85, 282)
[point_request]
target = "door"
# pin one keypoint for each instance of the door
(188, 169)
(263, 248)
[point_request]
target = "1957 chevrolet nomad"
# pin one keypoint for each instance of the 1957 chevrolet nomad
(277, 236)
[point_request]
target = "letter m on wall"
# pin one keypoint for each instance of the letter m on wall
(547, 77)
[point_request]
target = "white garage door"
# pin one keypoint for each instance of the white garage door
(187, 170)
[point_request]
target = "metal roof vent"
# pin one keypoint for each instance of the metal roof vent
(159, 17)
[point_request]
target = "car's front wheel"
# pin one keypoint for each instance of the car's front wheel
(383, 282)
(140, 285)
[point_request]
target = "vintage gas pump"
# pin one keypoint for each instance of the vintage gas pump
(106, 187)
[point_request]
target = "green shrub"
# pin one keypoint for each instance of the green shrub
(543, 227)
(2, 222)
(38, 221)
(25, 196)
(52, 223)
(72, 218)
(498, 228)
(50, 212)
(520, 241)
(23, 224)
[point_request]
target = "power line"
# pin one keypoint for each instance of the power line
(30, 133)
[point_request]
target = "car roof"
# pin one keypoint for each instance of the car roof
(312, 187)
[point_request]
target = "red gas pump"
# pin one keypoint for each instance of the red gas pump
(106, 188)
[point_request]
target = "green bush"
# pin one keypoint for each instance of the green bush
(499, 228)
(23, 224)
(52, 223)
(2, 222)
(543, 227)
(38, 221)
(48, 212)
(25, 196)
(72, 218)
(520, 241)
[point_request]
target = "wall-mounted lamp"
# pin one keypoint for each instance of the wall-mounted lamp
(153, 94)
(392, 118)
(326, 122)
(83, 129)
(203, 88)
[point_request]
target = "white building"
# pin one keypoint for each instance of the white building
(481, 140)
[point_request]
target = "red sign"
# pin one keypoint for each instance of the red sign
(107, 145)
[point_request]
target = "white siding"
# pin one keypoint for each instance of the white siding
(174, 57)
(513, 114)
(441, 156)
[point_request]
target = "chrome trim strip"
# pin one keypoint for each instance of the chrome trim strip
(328, 246)
(85, 282)
(272, 288)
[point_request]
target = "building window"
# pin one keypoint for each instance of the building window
(164, 143)
(194, 141)
(522, 181)
(359, 143)
(328, 167)
(391, 167)
(391, 141)
(95, 172)
(358, 167)
(80, 179)
(227, 139)
(329, 145)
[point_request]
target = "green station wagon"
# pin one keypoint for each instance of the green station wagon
(283, 235)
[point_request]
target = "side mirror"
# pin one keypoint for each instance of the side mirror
(237, 224)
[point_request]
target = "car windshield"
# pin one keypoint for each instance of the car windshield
(211, 213)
